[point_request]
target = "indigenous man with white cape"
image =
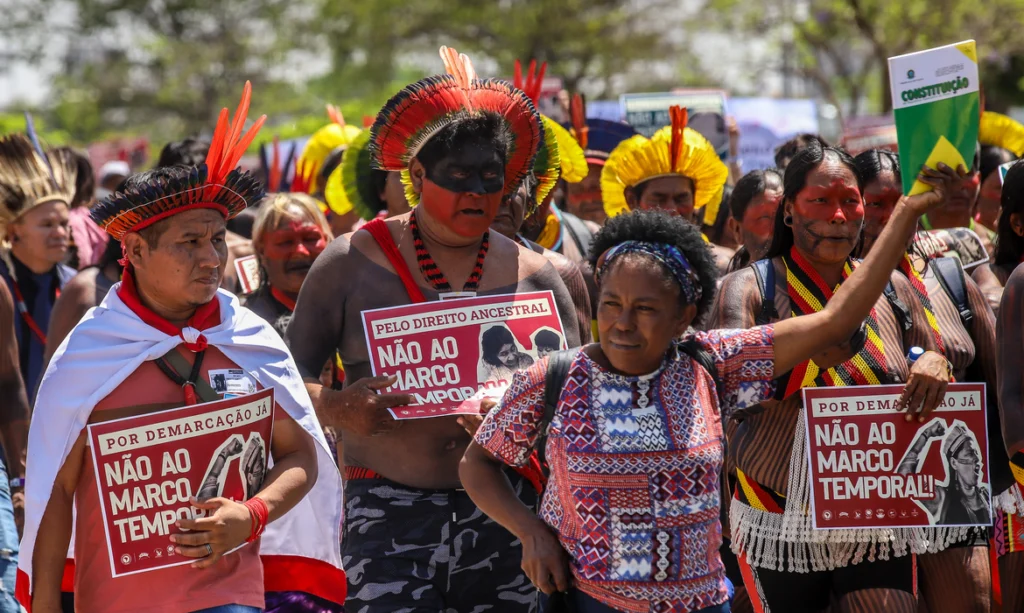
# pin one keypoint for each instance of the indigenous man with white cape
(121, 361)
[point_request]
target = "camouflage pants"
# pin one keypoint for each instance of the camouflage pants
(430, 551)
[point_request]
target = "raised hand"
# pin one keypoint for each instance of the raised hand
(943, 181)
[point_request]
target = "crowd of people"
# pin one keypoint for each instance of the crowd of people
(650, 455)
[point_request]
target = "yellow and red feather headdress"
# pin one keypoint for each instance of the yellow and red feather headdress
(421, 110)
(673, 150)
(216, 184)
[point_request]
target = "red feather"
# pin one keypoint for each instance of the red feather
(578, 116)
(678, 115)
(534, 81)
(228, 144)
(274, 178)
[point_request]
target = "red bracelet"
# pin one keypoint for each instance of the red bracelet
(259, 512)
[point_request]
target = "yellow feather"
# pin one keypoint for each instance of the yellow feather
(1001, 131)
(638, 158)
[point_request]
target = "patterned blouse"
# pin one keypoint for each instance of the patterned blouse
(635, 463)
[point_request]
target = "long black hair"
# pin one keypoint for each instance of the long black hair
(991, 158)
(1010, 245)
(873, 162)
(794, 181)
(750, 186)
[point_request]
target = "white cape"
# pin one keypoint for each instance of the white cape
(109, 345)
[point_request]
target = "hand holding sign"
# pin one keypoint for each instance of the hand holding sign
(926, 387)
(227, 528)
(364, 411)
(943, 181)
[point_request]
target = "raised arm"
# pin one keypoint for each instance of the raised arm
(798, 338)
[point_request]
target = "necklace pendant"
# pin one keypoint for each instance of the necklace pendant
(455, 295)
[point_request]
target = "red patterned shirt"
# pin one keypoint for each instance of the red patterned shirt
(635, 464)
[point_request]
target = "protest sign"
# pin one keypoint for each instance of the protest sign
(870, 468)
(248, 270)
(936, 104)
(147, 467)
(766, 123)
(648, 113)
(449, 353)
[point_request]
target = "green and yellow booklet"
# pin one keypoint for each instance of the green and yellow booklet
(937, 108)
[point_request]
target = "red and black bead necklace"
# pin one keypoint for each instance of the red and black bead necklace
(433, 274)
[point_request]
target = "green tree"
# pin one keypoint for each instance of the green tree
(843, 46)
(584, 41)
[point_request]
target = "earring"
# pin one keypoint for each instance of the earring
(788, 220)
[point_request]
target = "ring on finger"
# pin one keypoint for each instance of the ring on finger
(209, 550)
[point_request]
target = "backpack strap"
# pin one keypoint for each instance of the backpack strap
(694, 349)
(579, 232)
(951, 277)
(764, 272)
(900, 310)
(554, 380)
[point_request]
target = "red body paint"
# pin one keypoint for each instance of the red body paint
(465, 214)
(294, 240)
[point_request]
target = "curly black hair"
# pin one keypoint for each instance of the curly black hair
(659, 227)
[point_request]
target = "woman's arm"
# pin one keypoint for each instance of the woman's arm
(799, 338)
(544, 560)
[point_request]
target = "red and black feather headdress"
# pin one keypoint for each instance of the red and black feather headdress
(216, 184)
(418, 112)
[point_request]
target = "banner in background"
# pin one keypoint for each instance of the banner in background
(648, 113)
(766, 123)
(149, 466)
(449, 354)
(870, 468)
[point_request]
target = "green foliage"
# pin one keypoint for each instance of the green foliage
(842, 46)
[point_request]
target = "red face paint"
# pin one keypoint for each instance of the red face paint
(294, 240)
(838, 201)
(759, 218)
(468, 215)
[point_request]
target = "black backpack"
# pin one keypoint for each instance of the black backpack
(558, 370)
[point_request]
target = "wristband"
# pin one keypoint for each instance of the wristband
(258, 512)
(17, 482)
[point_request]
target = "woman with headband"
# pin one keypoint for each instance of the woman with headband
(634, 423)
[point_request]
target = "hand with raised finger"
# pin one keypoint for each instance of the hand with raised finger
(926, 386)
(545, 561)
(227, 525)
(364, 406)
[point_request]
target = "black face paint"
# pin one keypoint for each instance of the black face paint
(474, 167)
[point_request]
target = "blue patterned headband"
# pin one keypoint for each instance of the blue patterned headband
(668, 255)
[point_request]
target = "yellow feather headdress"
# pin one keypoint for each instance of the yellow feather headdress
(322, 143)
(29, 177)
(1001, 131)
(673, 150)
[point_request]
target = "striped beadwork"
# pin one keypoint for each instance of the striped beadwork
(429, 267)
